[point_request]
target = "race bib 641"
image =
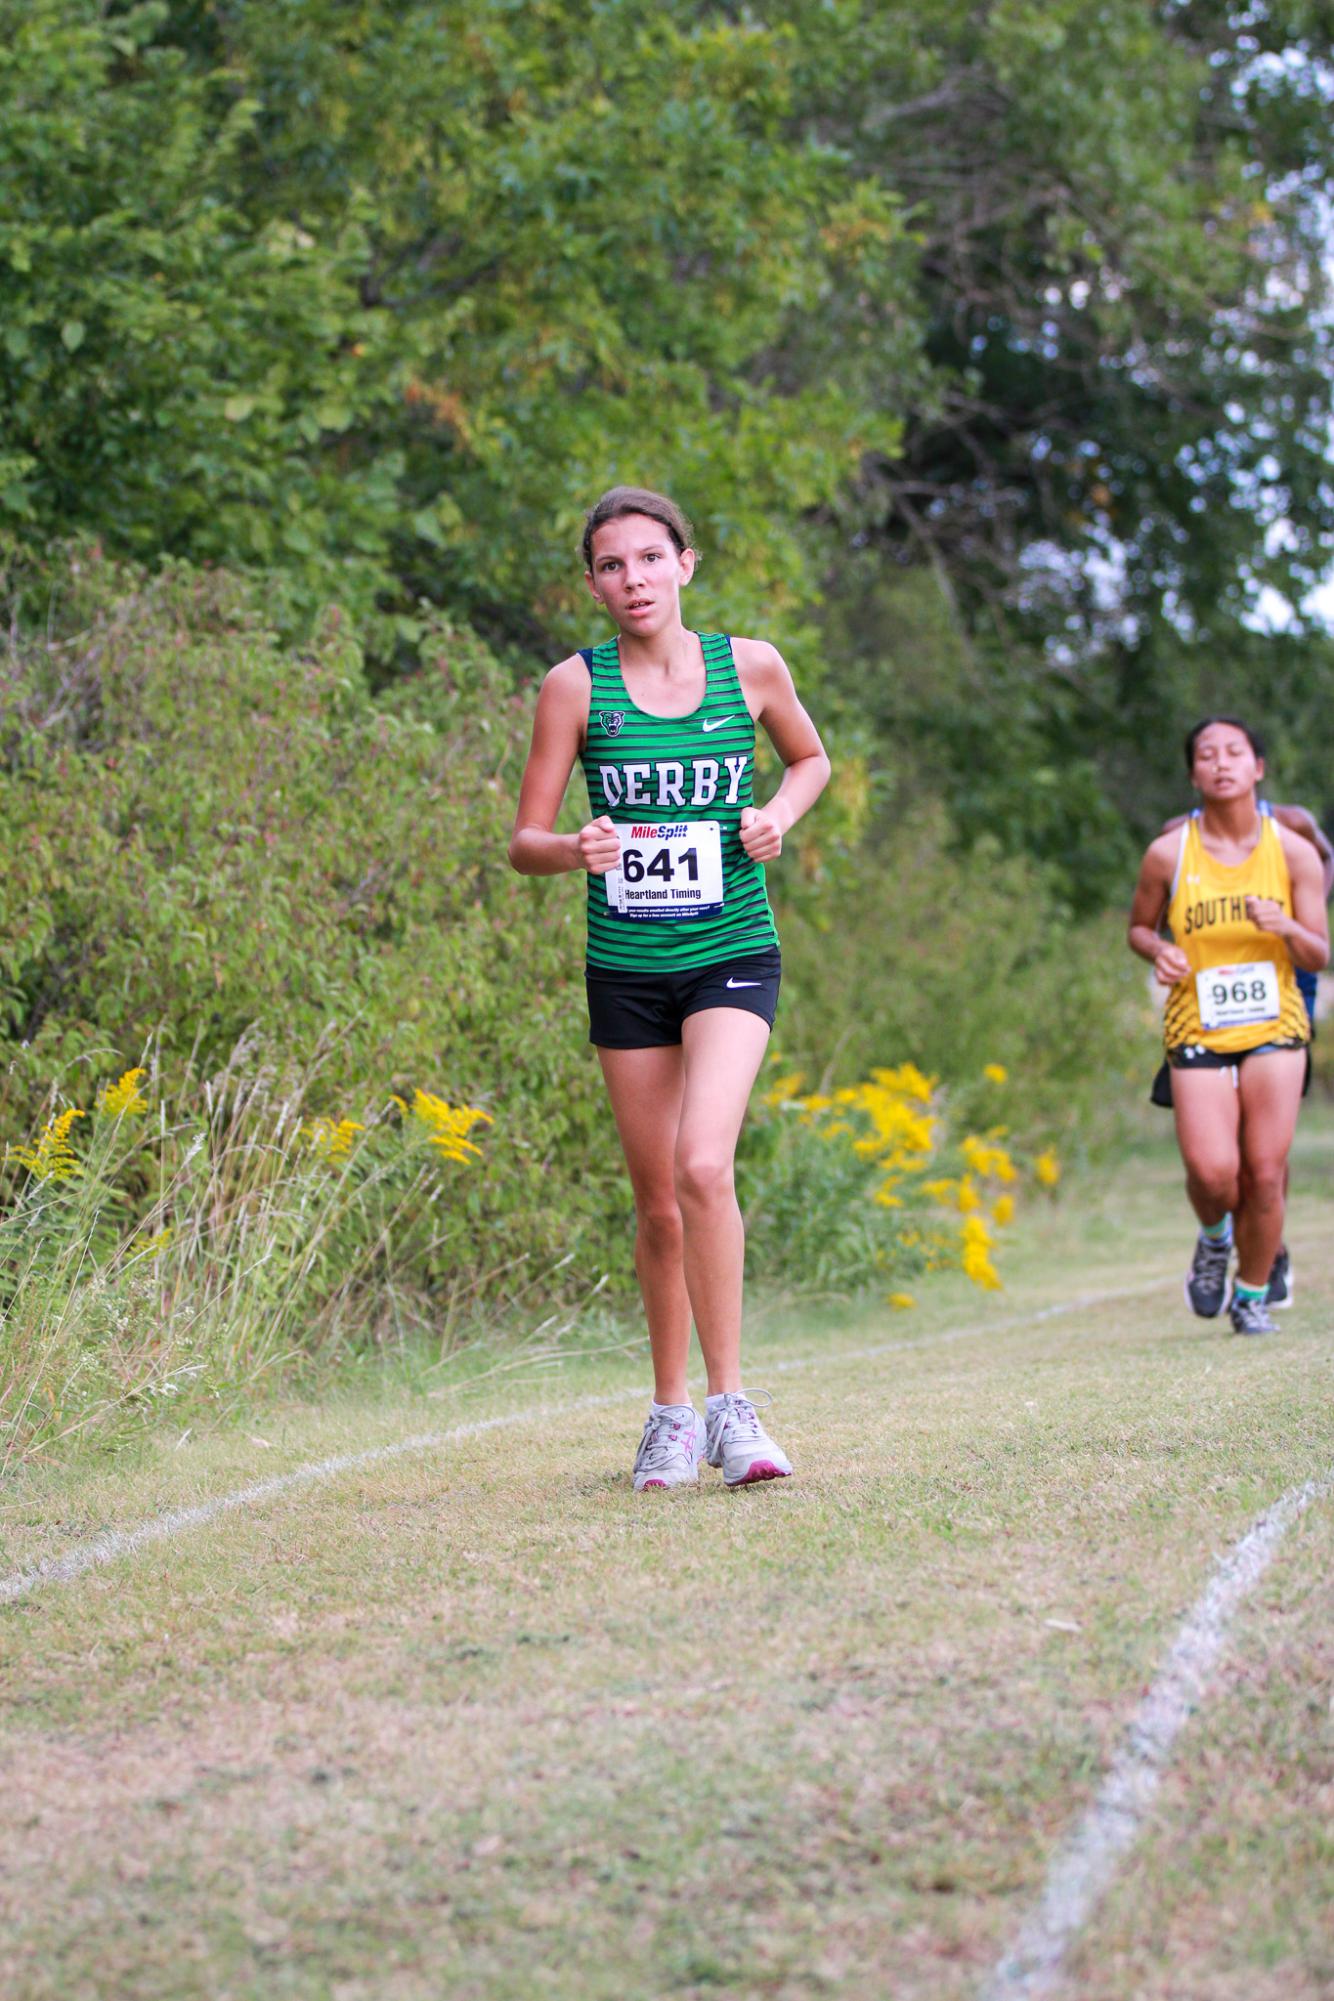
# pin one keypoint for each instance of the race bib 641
(672, 868)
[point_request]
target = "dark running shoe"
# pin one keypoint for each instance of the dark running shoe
(1250, 1316)
(1206, 1281)
(1280, 1291)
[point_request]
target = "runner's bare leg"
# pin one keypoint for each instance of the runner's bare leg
(1207, 1110)
(645, 1087)
(724, 1048)
(1271, 1096)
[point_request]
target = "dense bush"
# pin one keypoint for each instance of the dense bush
(220, 840)
(285, 900)
(963, 960)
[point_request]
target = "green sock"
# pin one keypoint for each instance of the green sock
(1218, 1233)
(1240, 1291)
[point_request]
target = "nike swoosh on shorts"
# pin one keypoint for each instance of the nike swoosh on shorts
(745, 983)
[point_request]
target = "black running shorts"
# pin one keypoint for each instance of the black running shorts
(645, 1010)
(1193, 1056)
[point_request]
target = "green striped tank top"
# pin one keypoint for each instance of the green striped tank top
(686, 894)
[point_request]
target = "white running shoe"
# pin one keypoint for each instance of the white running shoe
(739, 1443)
(671, 1448)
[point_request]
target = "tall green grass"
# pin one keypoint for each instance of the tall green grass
(188, 1247)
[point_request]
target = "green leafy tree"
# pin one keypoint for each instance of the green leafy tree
(379, 298)
(177, 373)
(1124, 433)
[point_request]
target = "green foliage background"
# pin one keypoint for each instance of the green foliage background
(988, 347)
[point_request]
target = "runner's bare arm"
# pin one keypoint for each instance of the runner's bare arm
(1306, 932)
(558, 733)
(1310, 829)
(772, 700)
(1150, 901)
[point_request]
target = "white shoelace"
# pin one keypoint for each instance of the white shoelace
(666, 1438)
(739, 1414)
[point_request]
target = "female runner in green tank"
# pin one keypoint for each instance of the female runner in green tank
(683, 963)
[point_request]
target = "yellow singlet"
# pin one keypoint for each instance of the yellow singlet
(1242, 989)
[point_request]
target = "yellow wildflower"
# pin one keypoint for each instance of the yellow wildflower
(898, 1133)
(1003, 1210)
(907, 1080)
(968, 1198)
(1047, 1168)
(977, 1254)
(448, 1125)
(332, 1138)
(52, 1157)
(902, 1300)
(783, 1088)
(996, 1073)
(124, 1095)
(152, 1247)
(944, 1190)
(991, 1162)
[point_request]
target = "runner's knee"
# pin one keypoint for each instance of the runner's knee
(1262, 1182)
(1215, 1181)
(658, 1217)
(703, 1178)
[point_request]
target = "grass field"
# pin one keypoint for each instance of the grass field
(477, 1721)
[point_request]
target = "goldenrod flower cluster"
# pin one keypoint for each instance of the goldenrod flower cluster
(889, 1122)
(977, 1243)
(152, 1247)
(987, 1157)
(332, 1138)
(784, 1088)
(51, 1157)
(448, 1125)
(124, 1096)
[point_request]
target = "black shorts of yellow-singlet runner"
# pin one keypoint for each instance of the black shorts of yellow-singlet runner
(1160, 1092)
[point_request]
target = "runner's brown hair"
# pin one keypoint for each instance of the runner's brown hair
(621, 500)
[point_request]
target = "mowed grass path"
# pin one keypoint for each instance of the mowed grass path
(480, 1722)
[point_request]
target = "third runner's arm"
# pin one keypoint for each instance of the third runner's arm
(1152, 893)
(773, 701)
(558, 730)
(1306, 932)
(1310, 829)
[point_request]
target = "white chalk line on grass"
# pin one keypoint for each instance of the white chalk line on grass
(1084, 1865)
(116, 1543)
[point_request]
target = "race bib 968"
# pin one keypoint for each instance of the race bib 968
(1238, 996)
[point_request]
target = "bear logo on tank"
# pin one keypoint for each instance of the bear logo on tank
(612, 720)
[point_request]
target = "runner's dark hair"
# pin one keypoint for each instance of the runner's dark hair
(621, 500)
(1253, 737)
